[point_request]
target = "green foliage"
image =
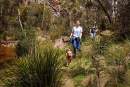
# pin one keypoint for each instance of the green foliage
(78, 79)
(1, 35)
(99, 47)
(116, 56)
(80, 66)
(27, 41)
(117, 52)
(8, 72)
(40, 70)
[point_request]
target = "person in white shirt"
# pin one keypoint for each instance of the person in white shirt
(76, 36)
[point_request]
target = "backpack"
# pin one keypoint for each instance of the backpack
(93, 30)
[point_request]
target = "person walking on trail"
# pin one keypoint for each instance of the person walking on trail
(76, 36)
(93, 32)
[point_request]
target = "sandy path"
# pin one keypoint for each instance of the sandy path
(68, 82)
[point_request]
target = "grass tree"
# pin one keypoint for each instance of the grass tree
(42, 69)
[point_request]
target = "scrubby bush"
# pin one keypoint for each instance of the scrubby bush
(42, 69)
(27, 39)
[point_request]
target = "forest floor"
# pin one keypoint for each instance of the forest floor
(68, 81)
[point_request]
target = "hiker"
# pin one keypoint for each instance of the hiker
(93, 32)
(69, 56)
(76, 36)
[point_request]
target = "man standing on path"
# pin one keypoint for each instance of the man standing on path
(76, 36)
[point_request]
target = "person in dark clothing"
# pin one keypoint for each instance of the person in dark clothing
(93, 32)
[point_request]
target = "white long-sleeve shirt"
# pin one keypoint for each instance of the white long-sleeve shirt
(77, 31)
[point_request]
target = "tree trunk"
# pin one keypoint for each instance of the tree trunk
(105, 11)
